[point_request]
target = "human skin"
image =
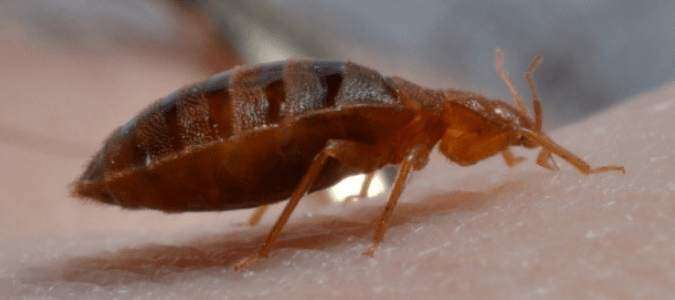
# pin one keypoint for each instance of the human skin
(486, 231)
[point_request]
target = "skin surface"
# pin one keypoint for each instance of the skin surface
(480, 232)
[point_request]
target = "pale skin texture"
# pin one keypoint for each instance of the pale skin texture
(485, 232)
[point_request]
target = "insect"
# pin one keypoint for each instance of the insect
(257, 135)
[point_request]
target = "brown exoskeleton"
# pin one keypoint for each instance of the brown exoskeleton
(258, 135)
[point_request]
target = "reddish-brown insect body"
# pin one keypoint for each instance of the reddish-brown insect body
(258, 135)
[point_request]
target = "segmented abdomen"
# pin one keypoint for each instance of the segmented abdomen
(236, 101)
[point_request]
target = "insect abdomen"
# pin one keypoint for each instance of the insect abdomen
(228, 106)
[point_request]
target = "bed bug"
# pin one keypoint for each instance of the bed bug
(257, 135)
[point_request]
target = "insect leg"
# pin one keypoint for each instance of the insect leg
(260, 211)
(257, 215)
(364, 188)
(543, 160)
(361, 156)
(300, 191)
(510, 159)
(416, 158)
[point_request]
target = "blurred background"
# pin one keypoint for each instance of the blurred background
(72, 71)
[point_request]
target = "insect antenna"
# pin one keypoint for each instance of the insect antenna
(499, 67)
(545, 154)
(544, 158)
(536, 105)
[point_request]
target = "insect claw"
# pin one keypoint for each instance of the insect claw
(553, 163)
(246, 262)
(371, 251)
(545, 159)
(510, 159)
(351, 198)
(619, 169)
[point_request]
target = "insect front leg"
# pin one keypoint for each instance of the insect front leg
(510, 159)
(545, 160)
(361, 156)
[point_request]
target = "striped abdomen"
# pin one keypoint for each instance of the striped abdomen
(299, 104)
